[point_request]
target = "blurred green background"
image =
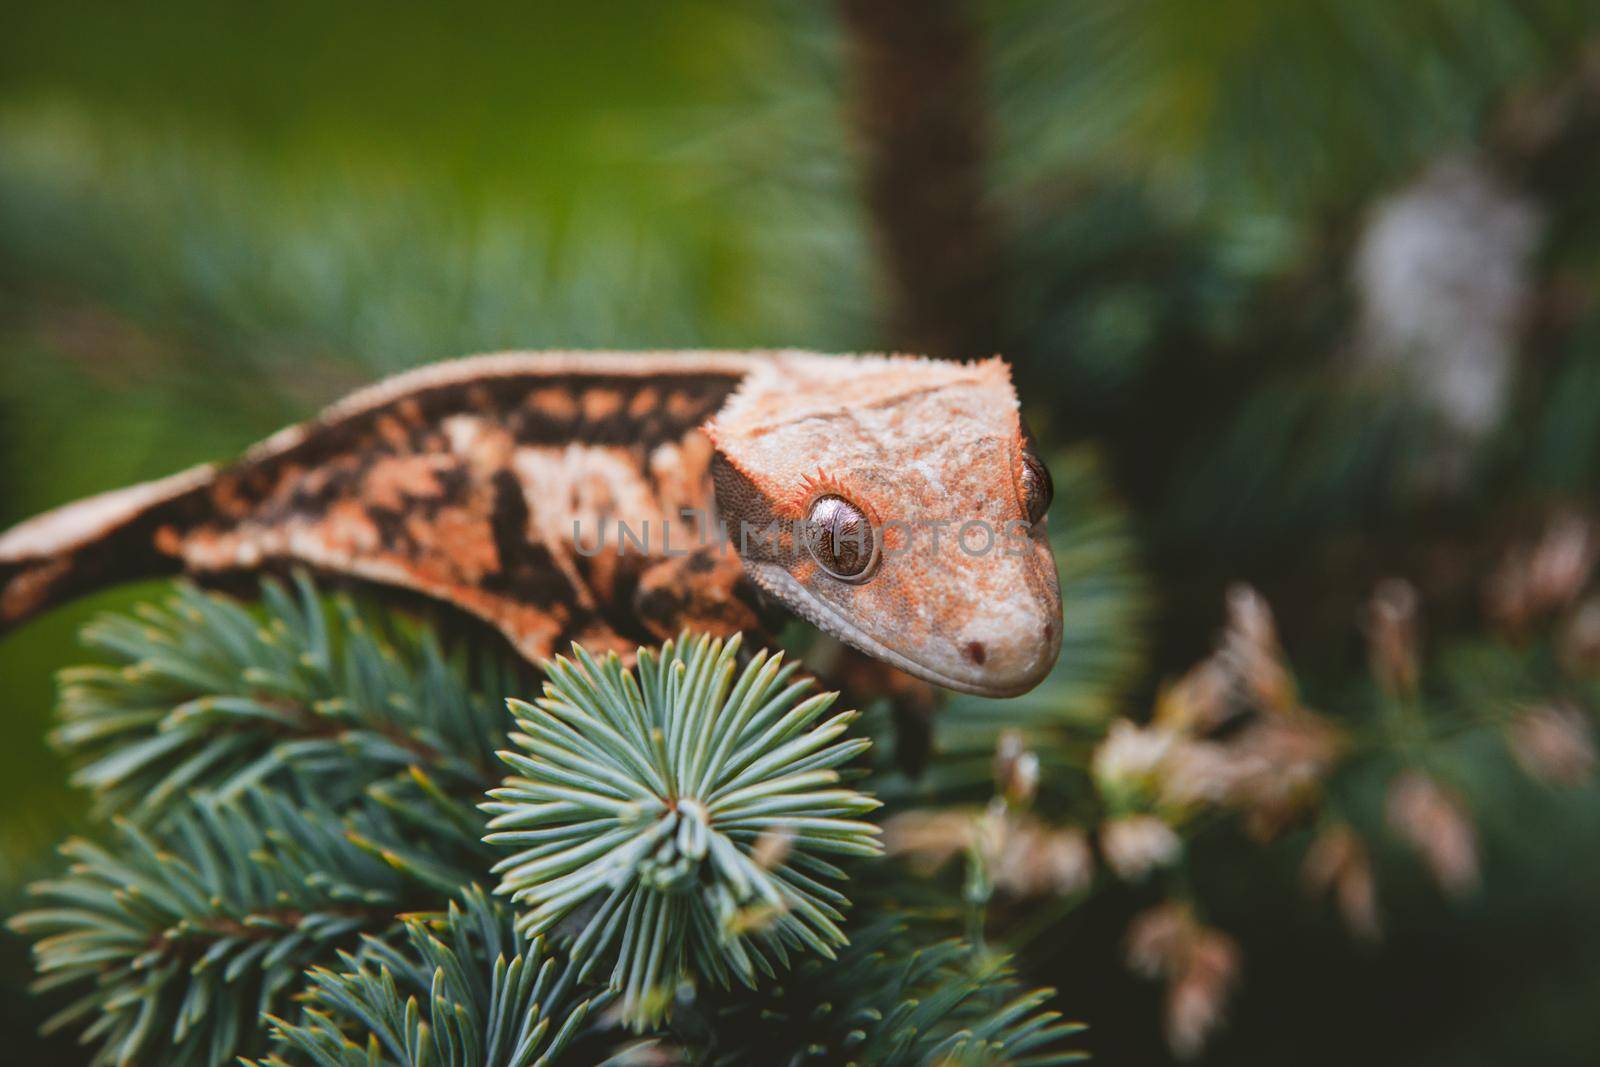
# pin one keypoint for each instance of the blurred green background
(215, 217)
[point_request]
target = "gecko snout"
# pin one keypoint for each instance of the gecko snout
(1003, 655)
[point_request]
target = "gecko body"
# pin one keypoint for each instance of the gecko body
(502, 485)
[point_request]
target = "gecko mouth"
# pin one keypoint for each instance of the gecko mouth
(780, 584)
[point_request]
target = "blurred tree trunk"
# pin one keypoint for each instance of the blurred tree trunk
(920, 118)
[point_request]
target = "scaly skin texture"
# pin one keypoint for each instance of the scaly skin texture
(495, 484)
(965, 592)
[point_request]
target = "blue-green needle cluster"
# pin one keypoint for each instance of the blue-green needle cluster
(686, 809)
(465, 988)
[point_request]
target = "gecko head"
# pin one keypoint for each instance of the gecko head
(898, 504)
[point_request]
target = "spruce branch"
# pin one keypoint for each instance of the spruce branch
(181, 937)
(892, 999)
(687, 808)
(204, 694)
(466, 990)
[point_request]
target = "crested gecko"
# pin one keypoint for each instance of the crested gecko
(610, 498)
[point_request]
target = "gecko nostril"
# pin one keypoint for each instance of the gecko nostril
(976, 652)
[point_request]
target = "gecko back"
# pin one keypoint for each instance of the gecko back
(464, 481)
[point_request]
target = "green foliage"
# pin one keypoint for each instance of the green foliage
(204, 694)
(691, 804)
(399, 250)
(467, 990)
(948, 1004)
(893, 999)
(1296, 459)
(1259, 102)
(175, 942)
(283, 780)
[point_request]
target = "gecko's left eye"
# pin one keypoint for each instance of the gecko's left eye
(841, 539)
(1034, 478)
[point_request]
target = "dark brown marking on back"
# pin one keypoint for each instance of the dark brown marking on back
(457, 482)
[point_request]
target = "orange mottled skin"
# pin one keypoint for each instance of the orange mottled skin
(482, 483)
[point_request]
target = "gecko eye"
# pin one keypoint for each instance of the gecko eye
(840, 538)
(1037, 488)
